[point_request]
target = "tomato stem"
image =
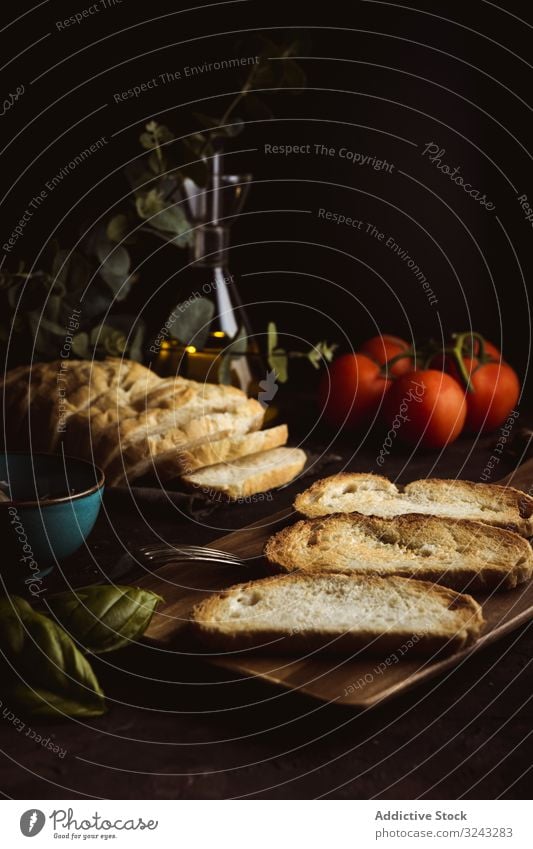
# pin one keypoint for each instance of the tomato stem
(386, 367)
(457, 353)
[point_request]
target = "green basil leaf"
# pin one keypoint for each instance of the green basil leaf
(38, 701)
(46, 672)
(104, 618)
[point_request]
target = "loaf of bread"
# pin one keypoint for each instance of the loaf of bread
(343, 614)
(146, 448)
(456, 553)
(39, 400)
(374, 495)
(130, 422)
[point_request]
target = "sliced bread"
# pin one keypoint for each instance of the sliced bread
(251, 474)
(187, 421)
(374, 495)
(339, 613)
(166, 454)
(215, 451)
(458, 554)
(141, 443)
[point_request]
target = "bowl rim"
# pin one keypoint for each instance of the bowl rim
(61, 499)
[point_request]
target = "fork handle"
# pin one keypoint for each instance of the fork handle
(196, 559)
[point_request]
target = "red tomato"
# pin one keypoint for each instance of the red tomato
(384, 348)
(496, 390)
(351, 391)
(426, 407)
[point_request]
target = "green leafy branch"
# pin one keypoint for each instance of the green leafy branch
(157, 179)
(68, 297)
(189, 323)
(274, 70)
(278, 358)
(49, 295)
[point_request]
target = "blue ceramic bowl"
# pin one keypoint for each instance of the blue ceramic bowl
(55, 503)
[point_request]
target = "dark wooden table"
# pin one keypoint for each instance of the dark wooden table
(180, 729)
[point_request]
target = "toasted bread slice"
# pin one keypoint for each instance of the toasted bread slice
(338, 613)
(249, 475)
(458, 554)
(374, 495)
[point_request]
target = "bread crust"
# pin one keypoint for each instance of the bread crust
(516, 515)
(297, 548)
(469, 622)
(46, 395)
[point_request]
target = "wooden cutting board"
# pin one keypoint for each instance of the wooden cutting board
(361, 682)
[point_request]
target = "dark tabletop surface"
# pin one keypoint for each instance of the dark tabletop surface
(180, 729)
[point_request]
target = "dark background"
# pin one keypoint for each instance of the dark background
(379, 77)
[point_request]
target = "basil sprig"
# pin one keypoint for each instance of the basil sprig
(104, 618)
(45, 673)
(44, 669)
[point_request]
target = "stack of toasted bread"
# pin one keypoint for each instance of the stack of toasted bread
(373, 565)
(130, 422)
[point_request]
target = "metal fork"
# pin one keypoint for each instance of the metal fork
(156, 555)
(175, 553)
